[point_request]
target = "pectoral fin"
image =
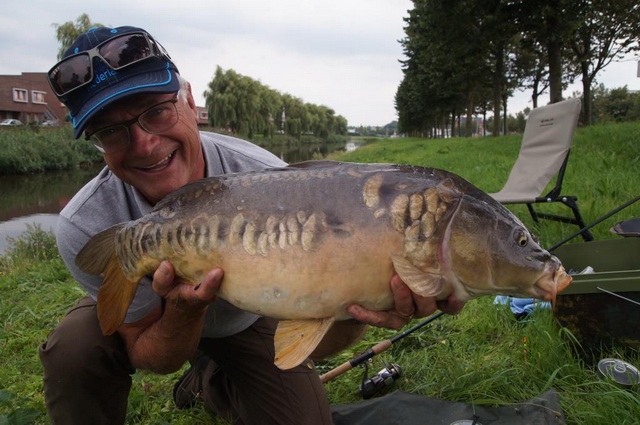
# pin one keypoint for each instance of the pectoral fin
(423, 283)
(295, 340)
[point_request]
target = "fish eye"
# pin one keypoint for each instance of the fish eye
(522, 239)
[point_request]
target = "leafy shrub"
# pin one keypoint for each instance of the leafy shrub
(34, 244)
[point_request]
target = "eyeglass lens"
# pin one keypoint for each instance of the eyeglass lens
(155, 120)
(117, 53)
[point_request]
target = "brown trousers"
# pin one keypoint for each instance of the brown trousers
(87, 376)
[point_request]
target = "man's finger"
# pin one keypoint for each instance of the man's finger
(403, 297)
(376, 318)
(163, 278)
(451, 305)
(208, 288)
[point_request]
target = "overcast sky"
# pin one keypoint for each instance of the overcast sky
(340, 53)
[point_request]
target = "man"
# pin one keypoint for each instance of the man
(124, 92)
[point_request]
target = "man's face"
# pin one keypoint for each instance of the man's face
(155, 164)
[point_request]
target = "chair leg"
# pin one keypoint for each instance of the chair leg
(569, 201)
(572, 203)
(534, 214)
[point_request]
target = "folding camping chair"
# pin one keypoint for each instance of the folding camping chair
(543, 154)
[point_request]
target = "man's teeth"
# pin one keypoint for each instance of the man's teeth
(160, 163)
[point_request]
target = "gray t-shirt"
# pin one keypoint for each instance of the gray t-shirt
(106, 200)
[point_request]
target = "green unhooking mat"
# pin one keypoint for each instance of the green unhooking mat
(410, 409)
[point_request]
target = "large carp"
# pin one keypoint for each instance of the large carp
(303, 242)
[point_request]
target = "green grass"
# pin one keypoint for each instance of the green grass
(483, 355)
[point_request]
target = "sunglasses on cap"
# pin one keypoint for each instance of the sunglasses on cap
(118, 52)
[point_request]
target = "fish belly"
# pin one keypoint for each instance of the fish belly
(292, 283)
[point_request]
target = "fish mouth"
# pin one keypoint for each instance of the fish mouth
(554, 280)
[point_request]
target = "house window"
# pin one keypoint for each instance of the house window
(20, 95)
(204, 115)
(37, 96)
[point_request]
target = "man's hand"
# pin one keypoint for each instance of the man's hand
(407, 306)
(182, 295)
(163, 340)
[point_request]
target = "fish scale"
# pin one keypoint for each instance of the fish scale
(303, 242)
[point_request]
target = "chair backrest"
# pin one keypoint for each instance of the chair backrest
(545, 145)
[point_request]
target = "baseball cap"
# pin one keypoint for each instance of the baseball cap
(155, 74)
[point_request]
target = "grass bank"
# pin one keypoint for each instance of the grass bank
(482, 356)
(34, 149)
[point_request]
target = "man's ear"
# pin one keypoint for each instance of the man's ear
(191, 102)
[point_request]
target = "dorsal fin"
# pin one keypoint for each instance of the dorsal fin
(94, 257)
(114, 297)
(97, 257)
(315, 164)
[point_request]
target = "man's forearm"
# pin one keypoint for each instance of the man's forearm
(167, 343)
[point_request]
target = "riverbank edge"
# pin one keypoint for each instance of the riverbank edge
(34, 150)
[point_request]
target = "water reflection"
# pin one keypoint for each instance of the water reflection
(37, 199)
(24, 195)
(304, 152)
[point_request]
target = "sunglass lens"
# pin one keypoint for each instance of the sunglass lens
(70, 74)
(125, 50)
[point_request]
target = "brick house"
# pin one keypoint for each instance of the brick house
(203, 116)
(28, 98)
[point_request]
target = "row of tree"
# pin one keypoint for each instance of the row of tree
(467, 57)
(242, 105)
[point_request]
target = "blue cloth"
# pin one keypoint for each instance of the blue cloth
(522, 305)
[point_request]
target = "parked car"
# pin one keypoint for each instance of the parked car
(10, 121)
(50, 123)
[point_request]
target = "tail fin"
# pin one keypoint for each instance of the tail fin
(99, 256)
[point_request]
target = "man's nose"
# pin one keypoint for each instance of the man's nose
(142, 142)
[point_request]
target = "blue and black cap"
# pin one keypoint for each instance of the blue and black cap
(154, 75)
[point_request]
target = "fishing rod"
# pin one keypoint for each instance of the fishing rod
(376, 349)
(598, 221)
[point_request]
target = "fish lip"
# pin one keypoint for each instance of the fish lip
(552, 281)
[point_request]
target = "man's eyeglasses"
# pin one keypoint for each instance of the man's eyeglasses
(118, 52)
(155, 120)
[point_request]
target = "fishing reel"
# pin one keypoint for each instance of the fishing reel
(380, 381)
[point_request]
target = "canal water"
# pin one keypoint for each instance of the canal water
(38, 198)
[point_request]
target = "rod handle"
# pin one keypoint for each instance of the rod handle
(376, 349)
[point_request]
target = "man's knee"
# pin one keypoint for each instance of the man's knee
(78, 346)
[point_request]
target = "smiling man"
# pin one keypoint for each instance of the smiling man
(125, 94)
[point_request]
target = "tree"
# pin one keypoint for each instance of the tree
(533, 60)
(609, 29)
(242, 105)
(436, 78)
(67, 33)
(549, 23)
(617, 104)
